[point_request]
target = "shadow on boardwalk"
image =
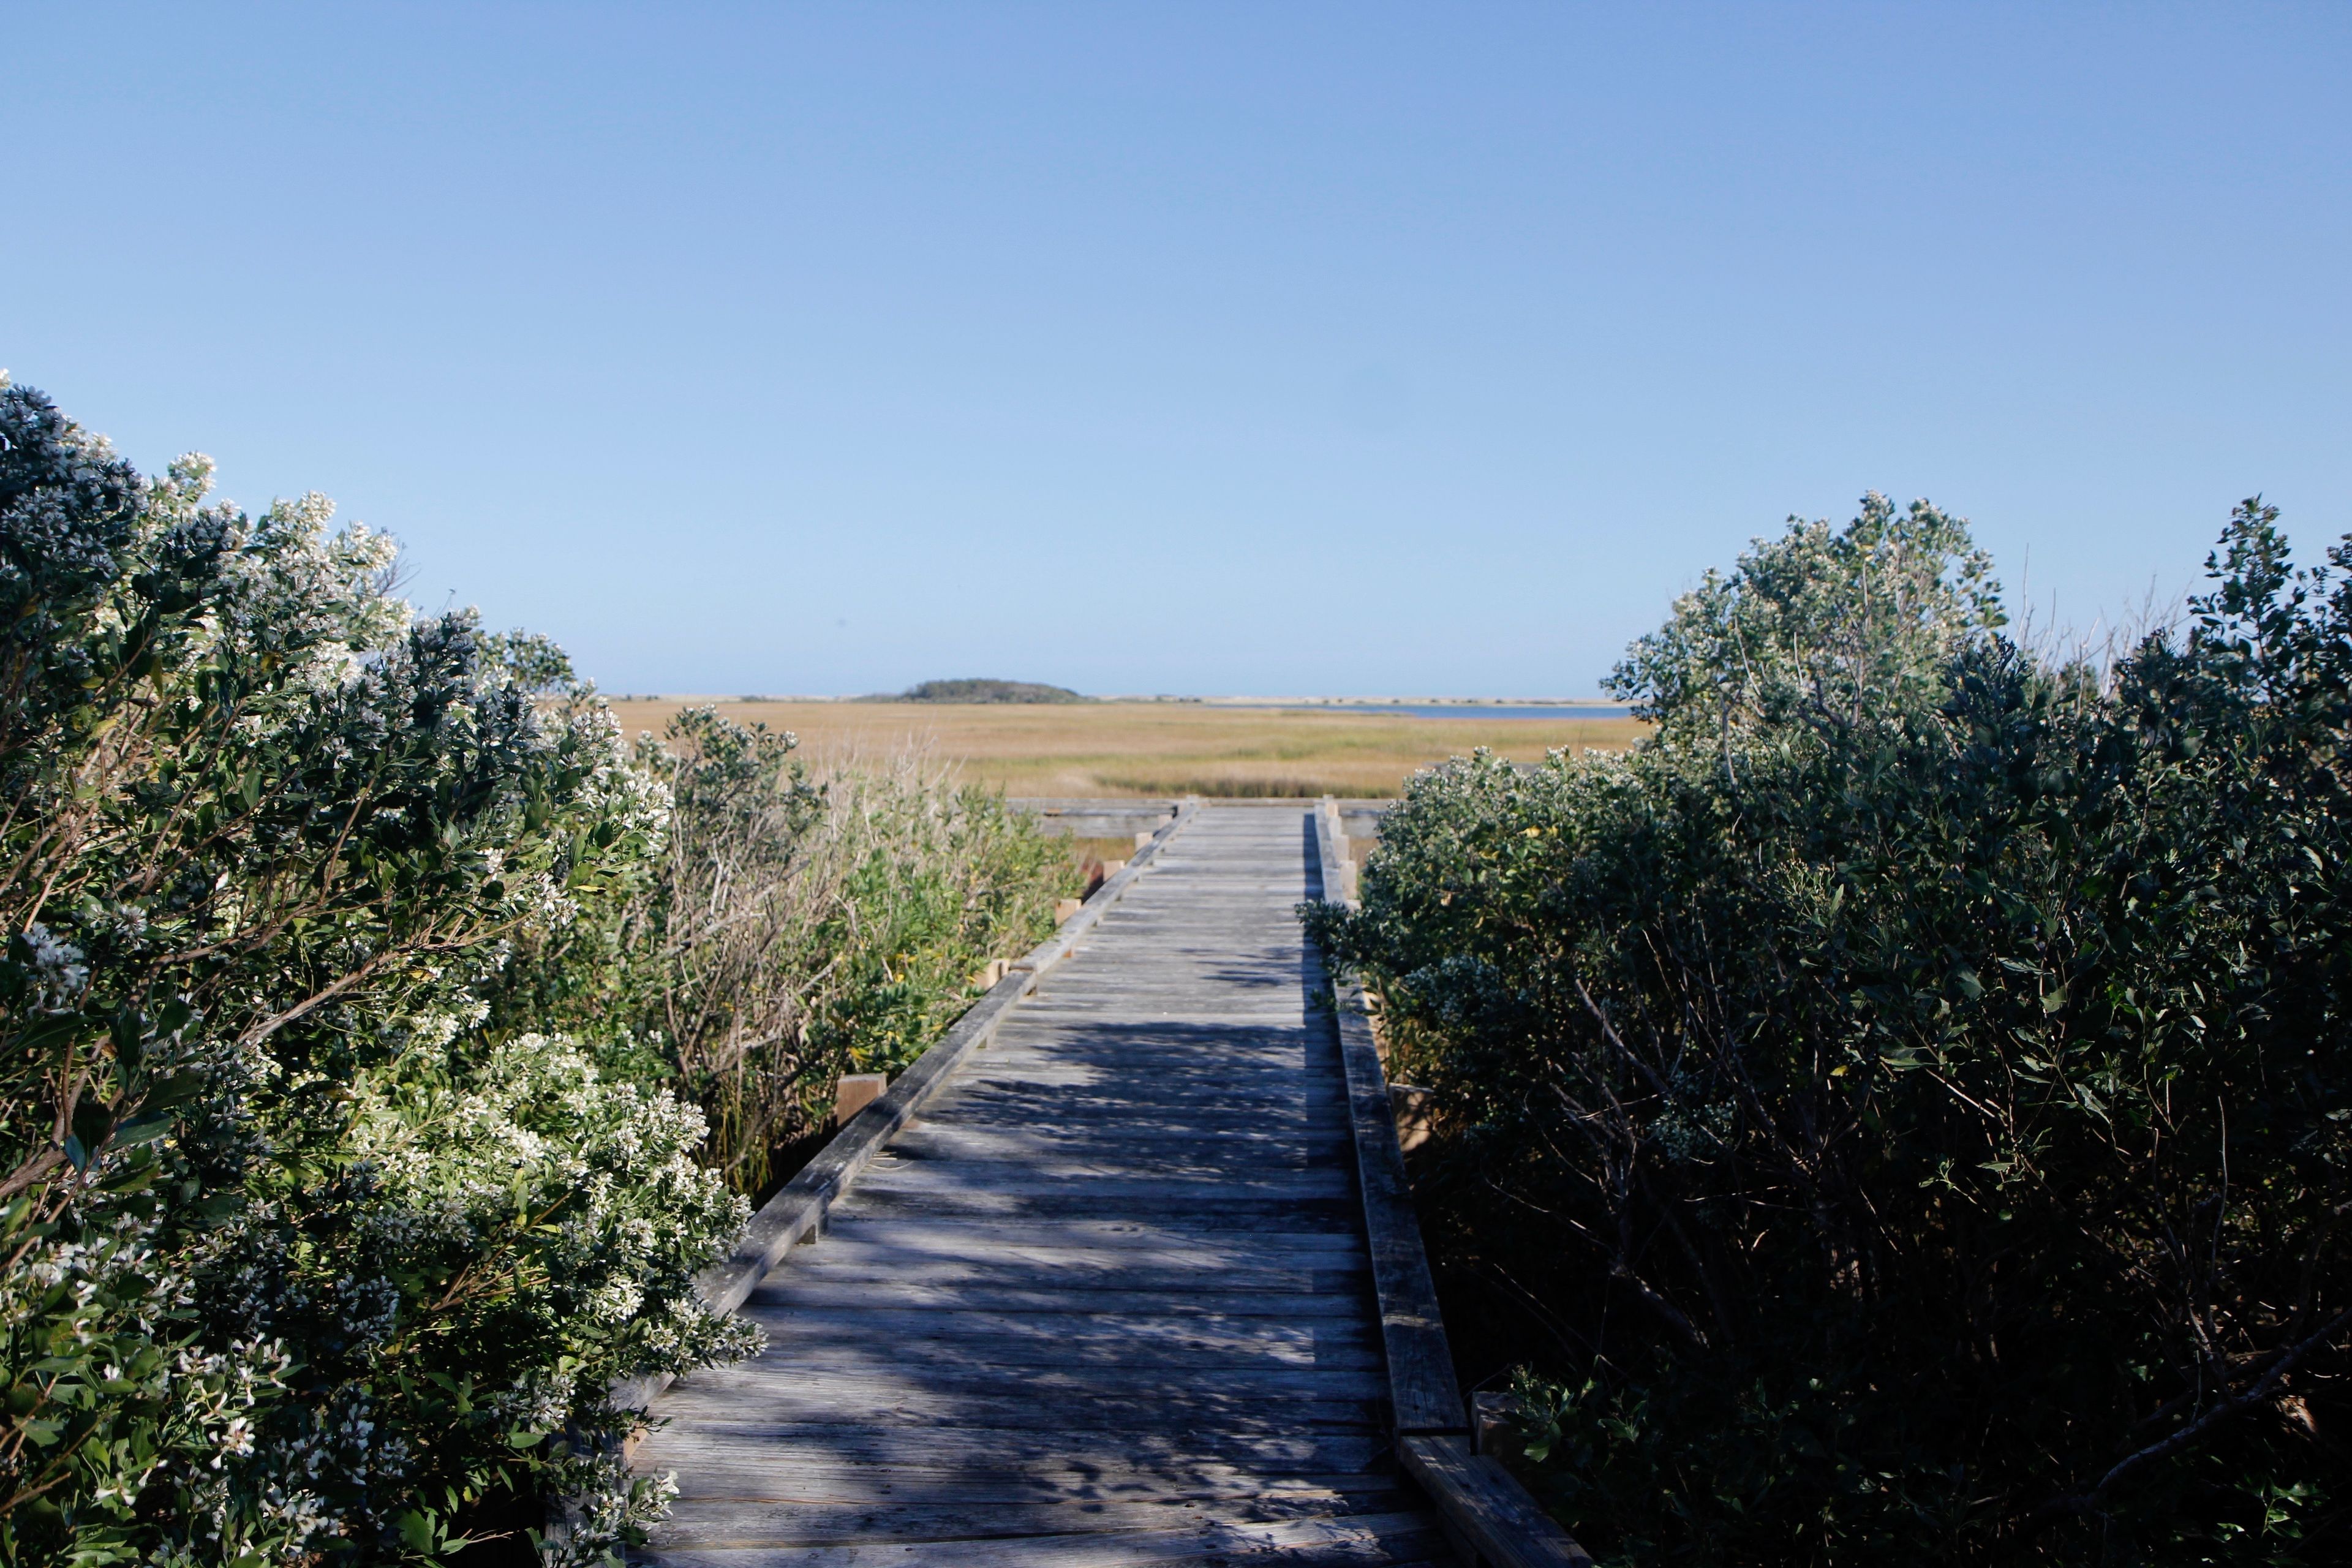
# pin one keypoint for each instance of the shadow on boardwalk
(1107, 1301)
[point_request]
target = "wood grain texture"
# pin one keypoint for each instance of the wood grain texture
(1384, 1540)
(1489, 1507)
(1103, 1295)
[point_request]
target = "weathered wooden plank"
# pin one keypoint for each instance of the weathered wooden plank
(1109, 1113)
(813, 1474)
(842, 1454)
(915, 1353)
(1104, 1120)
(1240, 1143)
(936, 1518)
(826, 1377)
(1131, 1075)
(1008, 1404)
(1115, 1271)
(887, 1327)
(1278, 1063)
(1089, 1269)
(1142, 1150)
(1393, 1539)
(1488, 1506)
(996, 1179)
(1199, 1116)
(1113, 1152)
(741, 1453)
(949, 1234)
(882, 1293)
(802, 1339)
(1105, 1270)
(1267, 1214)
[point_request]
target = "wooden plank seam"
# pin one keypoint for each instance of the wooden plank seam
(1484, 1503)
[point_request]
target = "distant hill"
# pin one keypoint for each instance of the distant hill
(986, 692)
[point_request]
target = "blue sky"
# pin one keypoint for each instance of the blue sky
(1335, 348)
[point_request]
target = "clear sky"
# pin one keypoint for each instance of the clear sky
(1198, 348)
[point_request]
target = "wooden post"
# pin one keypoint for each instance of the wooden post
(1065, 908)
(1493, 1425)
(1411, 1106)
(1142, 837)
(857, 1090)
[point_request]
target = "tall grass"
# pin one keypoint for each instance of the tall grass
(810, 916)
(1169, 748)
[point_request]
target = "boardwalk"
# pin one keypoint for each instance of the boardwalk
(1105, 1302)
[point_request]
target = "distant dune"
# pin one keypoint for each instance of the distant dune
(982, 691)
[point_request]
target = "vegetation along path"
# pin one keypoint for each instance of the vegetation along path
(1107, 1300)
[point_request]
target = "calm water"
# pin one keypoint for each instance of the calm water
(1423, 710)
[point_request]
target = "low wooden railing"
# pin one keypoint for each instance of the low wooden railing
(1490, 1513)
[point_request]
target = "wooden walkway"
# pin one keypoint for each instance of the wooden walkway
(1104, 1300)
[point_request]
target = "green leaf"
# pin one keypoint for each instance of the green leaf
(415, 1527)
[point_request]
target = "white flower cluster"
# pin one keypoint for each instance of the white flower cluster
(57, 970)
(173, 1416)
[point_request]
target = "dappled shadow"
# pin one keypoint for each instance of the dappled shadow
(1113, 1279)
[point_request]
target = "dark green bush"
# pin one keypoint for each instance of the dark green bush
(1910, 1092)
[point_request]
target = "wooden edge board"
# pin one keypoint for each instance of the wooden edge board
(799, 1208)
(1421, 1364)
(1488, 1505)
(1332, 1538)
(1482, 1501)
(1063, 943)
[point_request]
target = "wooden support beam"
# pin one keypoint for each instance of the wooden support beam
(1411, 1106)
(1486, 1505)
(1494, 1416)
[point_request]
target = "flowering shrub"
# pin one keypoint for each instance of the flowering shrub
(1903, 1110)
(362, 997)
(297, 1262)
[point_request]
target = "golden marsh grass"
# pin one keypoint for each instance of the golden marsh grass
(1155, 748)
